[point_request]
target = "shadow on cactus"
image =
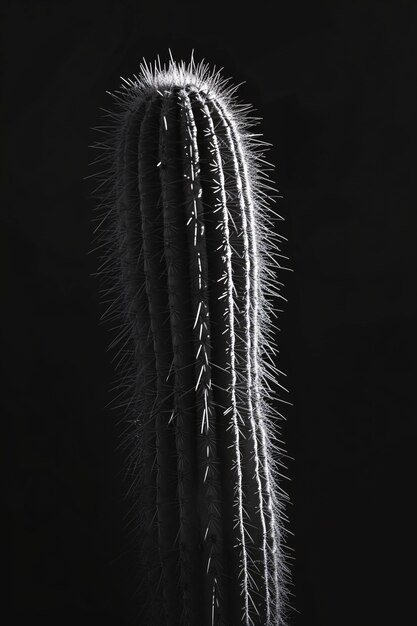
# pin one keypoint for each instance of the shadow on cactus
(189, 262)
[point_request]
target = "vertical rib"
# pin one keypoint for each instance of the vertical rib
(157, 291)
(274, 564)
(136, 311)
(256, 536)
(181, 317)
(209, 499)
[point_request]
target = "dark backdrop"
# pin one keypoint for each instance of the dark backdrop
(335, 84)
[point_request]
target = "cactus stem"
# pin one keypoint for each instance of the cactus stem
(188, 258)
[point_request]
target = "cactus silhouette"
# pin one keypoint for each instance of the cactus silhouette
(189, 262)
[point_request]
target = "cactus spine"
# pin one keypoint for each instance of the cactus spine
(189, 265)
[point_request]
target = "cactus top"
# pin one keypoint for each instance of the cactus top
(201, 78)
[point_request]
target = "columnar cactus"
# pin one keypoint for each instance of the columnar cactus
(189, 266)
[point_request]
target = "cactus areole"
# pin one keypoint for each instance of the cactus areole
(189, 268)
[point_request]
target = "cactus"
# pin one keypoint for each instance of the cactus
(188, 268)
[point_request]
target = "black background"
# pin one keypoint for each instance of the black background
(335, 85)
